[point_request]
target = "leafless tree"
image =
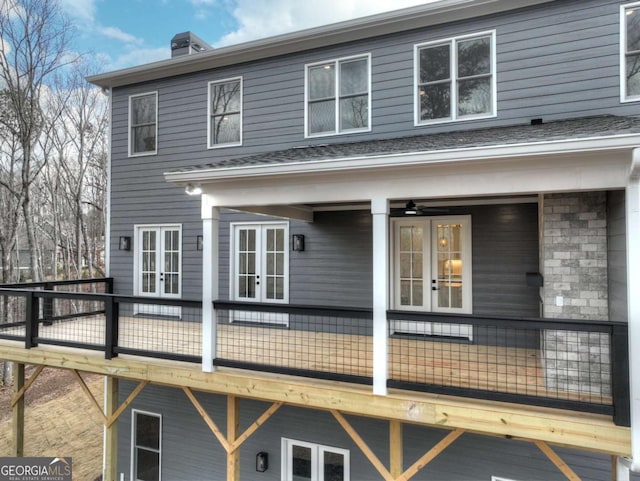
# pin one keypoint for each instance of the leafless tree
(35, 38)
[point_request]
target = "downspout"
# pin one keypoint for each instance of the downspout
(633, 301)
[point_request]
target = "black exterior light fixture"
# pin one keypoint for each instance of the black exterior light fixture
(410, 208)
(297, 242)
(199, 243)
(262, 461)
(124, 243)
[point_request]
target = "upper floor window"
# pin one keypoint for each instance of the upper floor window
(455, 79)
(338, 96)
(225, 113)
(630, 52)
(143, 124)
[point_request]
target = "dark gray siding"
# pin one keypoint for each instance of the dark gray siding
(190, 452)
(335, 267)
(617, 256)
(555, 61)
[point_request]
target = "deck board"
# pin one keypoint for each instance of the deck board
(420, 361)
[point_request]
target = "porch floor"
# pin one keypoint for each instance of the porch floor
(412, 360)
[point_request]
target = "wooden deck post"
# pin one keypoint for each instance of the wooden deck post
(396, 463)
(111, 430)
(18, 410)
(233, 426)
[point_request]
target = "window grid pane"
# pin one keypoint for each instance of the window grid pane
(349, 99)
(469, 92)
(143, 123)
(225, 108)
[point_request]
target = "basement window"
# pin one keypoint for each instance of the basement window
(146, 446)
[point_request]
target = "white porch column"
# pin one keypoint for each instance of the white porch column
(380, 215)
(633, 301)
(210, 228)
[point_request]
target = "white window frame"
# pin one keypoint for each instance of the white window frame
(454, 79)
(318, 450)
(496, 478)
(210, 145)
(130, 126)
(624, 98)
(133, 458)
(232, 256)
(336, 63)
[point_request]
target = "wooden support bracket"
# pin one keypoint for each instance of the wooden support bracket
(91, 397)
(431, 455)
(207, 419)
(254, 427)
(134, 394)
(18, 395)
(557, 460)
(363, 446)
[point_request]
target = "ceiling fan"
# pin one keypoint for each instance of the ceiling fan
(411, 209)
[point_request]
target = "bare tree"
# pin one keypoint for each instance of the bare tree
(35, 36)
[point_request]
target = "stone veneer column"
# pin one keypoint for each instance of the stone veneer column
(576, 287)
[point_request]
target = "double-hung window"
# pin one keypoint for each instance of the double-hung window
(338, 96)
(225, 113)
(455, 79)
(630, 52)
(146, 446)
(143, 124)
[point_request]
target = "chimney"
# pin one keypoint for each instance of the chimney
(187, 43)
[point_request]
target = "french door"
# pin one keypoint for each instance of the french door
(159, 269)
(432, 271)
(260, 268)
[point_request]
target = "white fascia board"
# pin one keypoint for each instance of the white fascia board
(443, 11)
(567, 146)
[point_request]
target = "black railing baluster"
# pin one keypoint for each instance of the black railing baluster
(620, 375)
(32, 311)
(111, 312)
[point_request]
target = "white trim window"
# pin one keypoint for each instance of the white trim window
(143, 124)
(338, 96)
(455, 79)
(146, 446)
(630, 52)
(225, 113)
(303, 461)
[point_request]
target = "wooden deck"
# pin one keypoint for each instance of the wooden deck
(418, 361)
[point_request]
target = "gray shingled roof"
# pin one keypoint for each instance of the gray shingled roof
(571, 129)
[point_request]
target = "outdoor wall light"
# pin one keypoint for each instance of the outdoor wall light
(124, 243)
(199, 243)
(193, 189)
(297, 242)
(262, 461)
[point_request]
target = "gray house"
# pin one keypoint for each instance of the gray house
(411, 249)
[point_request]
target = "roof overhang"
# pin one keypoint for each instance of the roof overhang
(436, 13)
(621, 142)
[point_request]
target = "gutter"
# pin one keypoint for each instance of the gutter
(469, 154)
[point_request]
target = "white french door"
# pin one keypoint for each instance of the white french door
(159, 266)
(432, 271)
(260, 268)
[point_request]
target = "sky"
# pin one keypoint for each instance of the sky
(126, 33)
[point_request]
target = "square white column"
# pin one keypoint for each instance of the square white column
(210, 274)
(380, 216)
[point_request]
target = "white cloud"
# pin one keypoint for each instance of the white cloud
(264, 18)
(84, 10)
(137, 56)
(117, 34)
